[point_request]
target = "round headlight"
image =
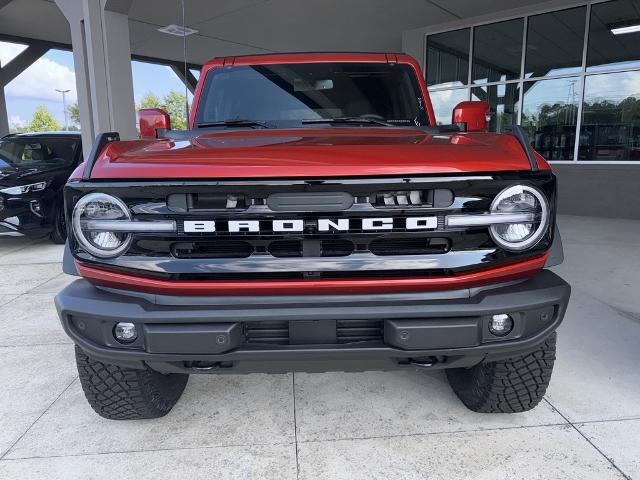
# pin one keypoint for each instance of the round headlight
(100, 206)
(520, 199)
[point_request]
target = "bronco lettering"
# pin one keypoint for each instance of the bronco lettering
(318, 225)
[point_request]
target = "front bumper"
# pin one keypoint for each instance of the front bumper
(29, 217)
(312, 333)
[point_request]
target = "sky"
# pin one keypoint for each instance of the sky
(37, 85)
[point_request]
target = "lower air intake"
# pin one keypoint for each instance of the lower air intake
(347, 331)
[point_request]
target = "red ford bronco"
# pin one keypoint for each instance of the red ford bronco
(313, 218)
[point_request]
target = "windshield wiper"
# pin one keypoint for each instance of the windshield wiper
(360, 120)
(234, 123)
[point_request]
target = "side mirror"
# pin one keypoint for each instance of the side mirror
(151, 120)
(471, 116)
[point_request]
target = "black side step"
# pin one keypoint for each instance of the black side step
(518, 132)
(101, 140)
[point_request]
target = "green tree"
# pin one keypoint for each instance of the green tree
(174, 103)
(43, 121)
(74, 113)
(150, 100)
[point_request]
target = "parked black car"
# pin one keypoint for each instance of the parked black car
(33, 169)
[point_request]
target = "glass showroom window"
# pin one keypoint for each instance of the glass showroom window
(555, 42)
(611, 117)
(608, 50)
(497, 51)
(448, 58)
(551, 85)
(503, 103)
(550, 116)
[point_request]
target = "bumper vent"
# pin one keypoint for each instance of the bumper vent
(350, 331)
(273, 333)
(347, 331)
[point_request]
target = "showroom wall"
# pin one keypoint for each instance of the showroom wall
(569, 76)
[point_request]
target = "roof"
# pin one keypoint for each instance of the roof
(332, 52)
(311, 57)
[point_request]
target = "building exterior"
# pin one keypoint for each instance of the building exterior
(570, 75)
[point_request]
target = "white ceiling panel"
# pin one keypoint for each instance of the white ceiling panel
(235, 27)
(35, 19)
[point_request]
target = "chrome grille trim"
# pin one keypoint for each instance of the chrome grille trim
(170, 226)
(130, 226)
(488, 219)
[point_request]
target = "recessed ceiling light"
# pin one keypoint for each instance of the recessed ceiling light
(625, 29)
(178, 30)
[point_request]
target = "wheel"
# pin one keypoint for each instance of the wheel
(119, 393)
(506, 386)
(59, 233)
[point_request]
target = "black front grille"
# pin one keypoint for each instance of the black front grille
(409, 246)
(372, 238)
(217, 249)
(347, 331)
(336, 248)
(285, 248)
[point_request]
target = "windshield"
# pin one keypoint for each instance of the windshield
(37, 152)
(289, 94)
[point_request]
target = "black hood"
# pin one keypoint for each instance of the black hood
(10, 176)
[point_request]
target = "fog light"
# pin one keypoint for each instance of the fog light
(125, 332)
(35, 207)
(501, 325)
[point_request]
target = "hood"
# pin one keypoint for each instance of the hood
(10, 176)
(311, 153)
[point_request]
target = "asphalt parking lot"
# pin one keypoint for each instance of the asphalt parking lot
(353, 426)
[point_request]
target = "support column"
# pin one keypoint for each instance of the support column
(189, 79)
(4, 118)
(102, 58)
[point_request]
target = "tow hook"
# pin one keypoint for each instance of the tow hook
(423, 362)
(205, 366)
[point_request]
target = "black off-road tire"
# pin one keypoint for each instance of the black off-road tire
(119, 393)
(506, 386)
(59, 233)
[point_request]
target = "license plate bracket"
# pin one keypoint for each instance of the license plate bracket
(312, 332)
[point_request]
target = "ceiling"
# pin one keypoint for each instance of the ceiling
(234, 27)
